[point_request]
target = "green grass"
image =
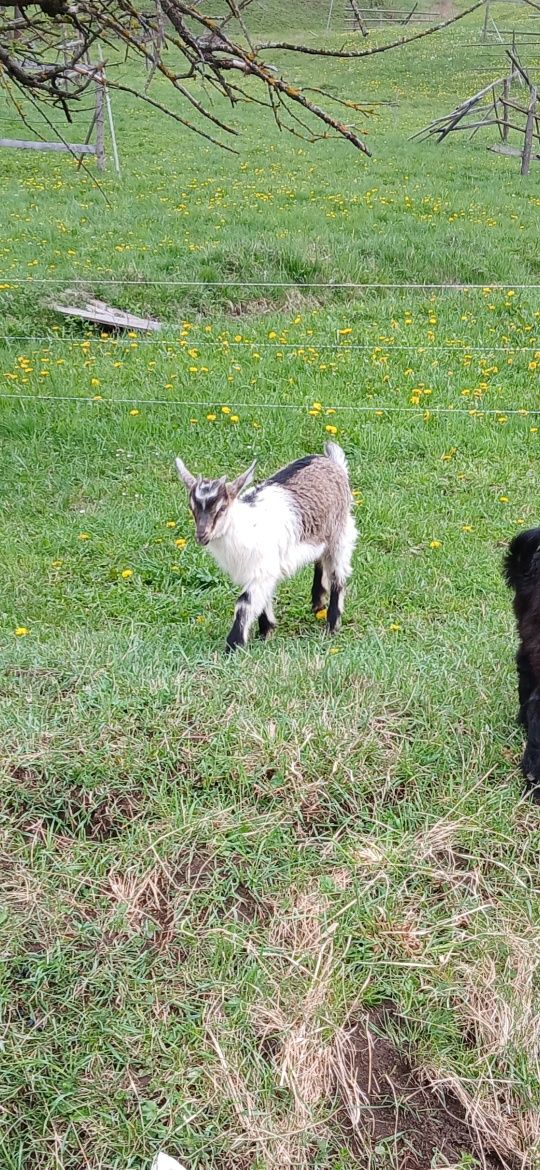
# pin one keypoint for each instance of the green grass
(212, 867)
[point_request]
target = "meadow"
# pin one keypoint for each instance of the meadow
(279, 910)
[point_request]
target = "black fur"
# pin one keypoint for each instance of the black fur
(318, 594)
(334, 611)
(522, 573)
(236, 637)
(283, 476)
(265, 625)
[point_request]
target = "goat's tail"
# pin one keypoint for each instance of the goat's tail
(518, 566)
(334, 452)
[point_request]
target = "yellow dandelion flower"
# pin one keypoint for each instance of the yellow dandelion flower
(126, 573)
(533, 430)
(316, 406)
(321, 615)
(84, 536)
(181, 542)
(466, 528)
(225, 410)
(234, 418)
(533, 365)
(211, 417)
(95, 382)
(504, 500)
(97, 398)
(170, 524)
(344, 332)
(21, 631)
(134, 412)
(395, 626)
(331, 430)
(435, 543)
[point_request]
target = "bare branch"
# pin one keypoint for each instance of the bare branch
(345, 54)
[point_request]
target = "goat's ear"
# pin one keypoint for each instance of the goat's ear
(242, 481)
(187, 478)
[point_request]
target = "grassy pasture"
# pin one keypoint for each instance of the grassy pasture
(215, 872)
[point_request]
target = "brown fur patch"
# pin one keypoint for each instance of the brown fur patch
(320, 491)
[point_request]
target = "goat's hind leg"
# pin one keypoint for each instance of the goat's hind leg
(339, 570)
(531, 759)
(335, 605)
(319, 589)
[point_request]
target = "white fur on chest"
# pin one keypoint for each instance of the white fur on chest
(262, 539)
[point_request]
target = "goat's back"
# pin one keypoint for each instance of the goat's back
(319, 492)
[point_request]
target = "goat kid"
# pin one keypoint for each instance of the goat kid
(522, 573)
(300, 515)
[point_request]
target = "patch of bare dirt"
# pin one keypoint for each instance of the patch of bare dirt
(245, 906)
(99, 815)
(400, 1110)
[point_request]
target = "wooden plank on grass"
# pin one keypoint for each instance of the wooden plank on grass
(102, 314)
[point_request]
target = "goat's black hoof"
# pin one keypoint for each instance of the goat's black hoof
(231, 646)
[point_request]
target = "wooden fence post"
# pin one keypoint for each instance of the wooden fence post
(505, 96)
(100, 125)
(527, 144)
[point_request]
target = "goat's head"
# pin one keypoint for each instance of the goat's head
(211, 499)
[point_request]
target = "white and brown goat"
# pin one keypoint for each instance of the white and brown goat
(300, 515)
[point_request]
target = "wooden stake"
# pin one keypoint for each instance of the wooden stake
(527, 145)
(505, 96)
(100, 126)
(486, 22)
(358, 18)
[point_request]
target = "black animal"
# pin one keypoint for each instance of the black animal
(522, 572)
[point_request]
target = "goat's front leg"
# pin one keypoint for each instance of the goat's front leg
(255, 601)
(267, 621)
(531, 760)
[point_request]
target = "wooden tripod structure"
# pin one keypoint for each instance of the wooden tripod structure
(494, 105)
